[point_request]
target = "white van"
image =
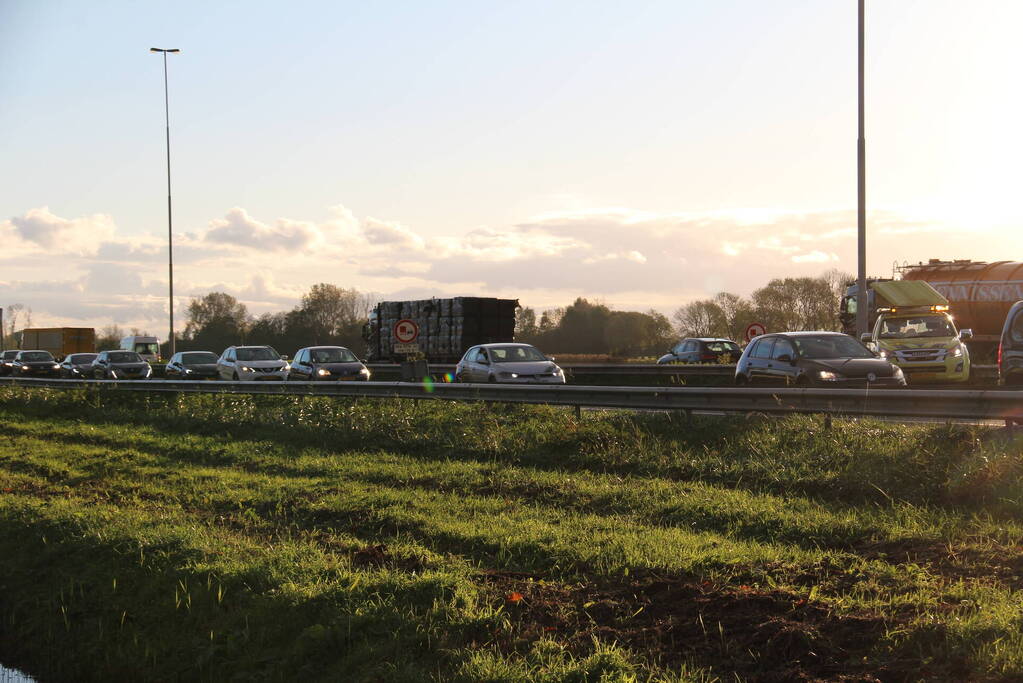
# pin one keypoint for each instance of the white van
(147, 347)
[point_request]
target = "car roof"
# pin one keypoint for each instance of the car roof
(311, 348)
(489, 344)
(805, 333)
(708, 339)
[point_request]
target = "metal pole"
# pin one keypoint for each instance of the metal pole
(2, 347)
(861, 201)
(170, 233)
(170, 223)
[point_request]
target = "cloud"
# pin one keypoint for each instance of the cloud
(38, 228)
(625, 257)
(391, 234)
(241, 231)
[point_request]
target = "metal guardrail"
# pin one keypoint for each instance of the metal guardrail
(958, 404)
(598, 369)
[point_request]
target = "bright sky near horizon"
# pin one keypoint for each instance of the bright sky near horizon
(643, 153)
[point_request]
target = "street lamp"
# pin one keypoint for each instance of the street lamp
(861, 199)
(170, 237)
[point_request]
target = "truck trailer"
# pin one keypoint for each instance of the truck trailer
(59, 341)
(447, 327)
(979, 295)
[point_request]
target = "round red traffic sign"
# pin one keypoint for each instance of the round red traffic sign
(754, 330)
(406, 331)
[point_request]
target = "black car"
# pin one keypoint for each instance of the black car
(77, 365)
(34, 364)
(6, 360)
(327, 363)
(120, 365)
(820, 359)
(192, 365)
(1010, 347)
(702, 350)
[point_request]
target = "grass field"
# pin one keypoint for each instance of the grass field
(276, 538)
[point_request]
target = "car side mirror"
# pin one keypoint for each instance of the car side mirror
(966, 334)
(866, 337)
(284, 358)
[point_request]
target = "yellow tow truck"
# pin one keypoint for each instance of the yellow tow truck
(915, 331)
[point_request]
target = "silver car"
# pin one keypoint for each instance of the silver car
(252, 363)
(508, 363)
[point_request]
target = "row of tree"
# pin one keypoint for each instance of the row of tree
(328, 314)
(593, 328)
(801, 303)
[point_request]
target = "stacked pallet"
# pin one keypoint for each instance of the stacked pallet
(447, 327)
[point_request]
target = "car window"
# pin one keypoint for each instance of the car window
(1016, 330)
(783, 347)
(36, 356)
(197, 357)
(689, 347)
(678, 348)
(831, 346)
(515, 354)
(82, 358)
(763, 348)
(722, 347)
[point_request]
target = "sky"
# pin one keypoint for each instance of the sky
(644, 154)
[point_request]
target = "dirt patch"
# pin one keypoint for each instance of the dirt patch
(991, 563)
(770, 635)
(379, 556)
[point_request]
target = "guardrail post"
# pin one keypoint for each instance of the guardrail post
(827, 420)
(578, 412)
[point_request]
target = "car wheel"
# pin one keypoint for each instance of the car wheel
(235, 376)
(802, 382)
(491, 379)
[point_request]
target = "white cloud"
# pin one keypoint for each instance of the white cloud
(627, 258)
(39, 229)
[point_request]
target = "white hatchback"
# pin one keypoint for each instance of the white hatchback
(511, 363)
(249, 363)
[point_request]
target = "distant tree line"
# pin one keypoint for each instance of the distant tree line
(593, 328)
(784, 304)
(327, 315)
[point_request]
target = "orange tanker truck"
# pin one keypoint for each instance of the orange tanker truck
(979, 296)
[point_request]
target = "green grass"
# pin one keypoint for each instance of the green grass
(279, 538)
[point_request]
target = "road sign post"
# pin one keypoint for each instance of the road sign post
(405, 333)
(754, 330)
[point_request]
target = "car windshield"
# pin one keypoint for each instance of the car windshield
(82, 358)
(917, 326)
(124, 357)
(332, 356)
(198, 358)
(722, 346)
(147, 348)
(515, 354)
(830, 346)
(257, 353)
(36, 356)
(8, 355)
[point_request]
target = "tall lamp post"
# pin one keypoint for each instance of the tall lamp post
(170, 237)
(861, 200)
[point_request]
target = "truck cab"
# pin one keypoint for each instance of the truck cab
(145, 346)
(915, 331)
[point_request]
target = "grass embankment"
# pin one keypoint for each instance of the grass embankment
(278, 538)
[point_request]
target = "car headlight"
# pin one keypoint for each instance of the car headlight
(897, 373)
(958, 352)
(75, 371)
(149, 371)
(508, 375)
(187, 371)
(56, 367)
(246, 368)
(24, 368)
(323, 372)
(828, 376)
(364, 371)
(882, 353)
